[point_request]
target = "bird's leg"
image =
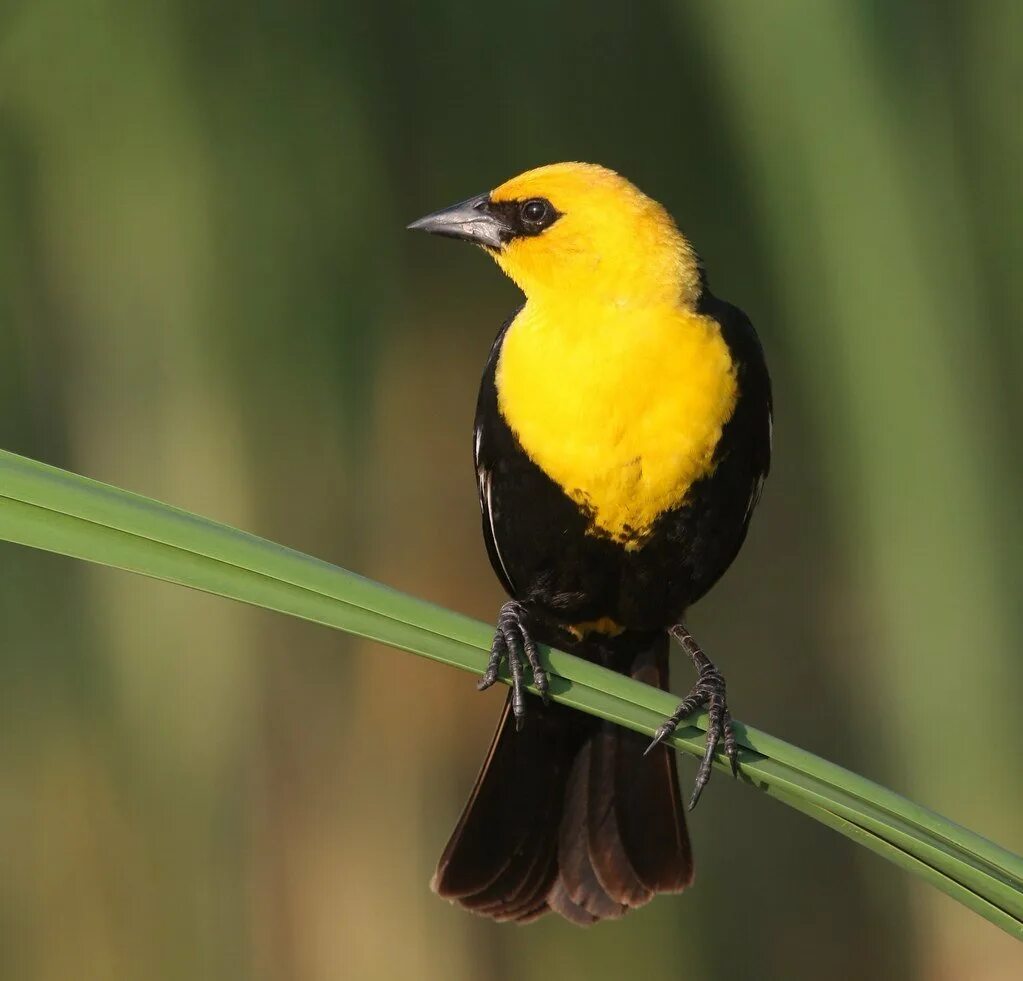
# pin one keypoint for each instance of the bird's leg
(709, 690)
(511, 641)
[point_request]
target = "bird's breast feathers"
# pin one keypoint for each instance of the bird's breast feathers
(622, 407)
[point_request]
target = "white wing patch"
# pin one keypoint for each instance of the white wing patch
(754, 496)
(758, 487)
(487, 510)
(483, 479)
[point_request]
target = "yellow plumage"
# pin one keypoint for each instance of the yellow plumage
(617, 464)
(614, 385)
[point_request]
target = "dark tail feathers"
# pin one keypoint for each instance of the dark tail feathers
(568, 815)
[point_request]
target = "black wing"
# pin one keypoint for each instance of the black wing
(756, 406)
(486, 456)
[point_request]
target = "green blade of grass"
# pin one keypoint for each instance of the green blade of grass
(51, 509)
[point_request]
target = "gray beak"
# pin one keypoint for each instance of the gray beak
(472, 220)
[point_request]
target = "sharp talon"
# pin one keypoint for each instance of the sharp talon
(542, 684)
(663, 731)
(540, 679)
(695, 799)
(731, 746)
(702, 776)
(733, 759)
(511, 641)
(732, 753)
(709, 690)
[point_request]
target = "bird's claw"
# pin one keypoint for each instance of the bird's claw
(709, 690)
(661, 733)
(511, 641)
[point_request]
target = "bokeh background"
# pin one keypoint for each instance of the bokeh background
(207, 296)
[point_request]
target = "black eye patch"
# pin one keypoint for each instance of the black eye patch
(524, 218)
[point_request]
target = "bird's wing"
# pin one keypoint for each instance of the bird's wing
(755, 383)
(764, 460)
(484, 487)
(485, 459)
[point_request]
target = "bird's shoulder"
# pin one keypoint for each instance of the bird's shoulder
(754, 412)
(738, 333)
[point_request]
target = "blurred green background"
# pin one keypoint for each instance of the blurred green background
(207, 295)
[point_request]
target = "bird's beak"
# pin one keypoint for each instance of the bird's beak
(473, 220)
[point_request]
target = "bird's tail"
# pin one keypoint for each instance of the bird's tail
(568, 815)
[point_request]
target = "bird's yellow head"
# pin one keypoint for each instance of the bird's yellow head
(579, 229)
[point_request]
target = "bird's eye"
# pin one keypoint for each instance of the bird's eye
(534, 211)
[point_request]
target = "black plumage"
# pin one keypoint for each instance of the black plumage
(569, 813)
(540, 542)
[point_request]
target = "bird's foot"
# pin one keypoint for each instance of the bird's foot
(511, 641)
(709, 690)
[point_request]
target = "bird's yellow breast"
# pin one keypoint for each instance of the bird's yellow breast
(621, 406)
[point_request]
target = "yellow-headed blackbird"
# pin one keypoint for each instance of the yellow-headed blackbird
(623, 434)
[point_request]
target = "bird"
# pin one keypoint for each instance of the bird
(622, 437)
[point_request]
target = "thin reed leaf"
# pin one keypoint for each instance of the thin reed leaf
(51, 509)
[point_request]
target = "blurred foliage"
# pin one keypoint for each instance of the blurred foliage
(206, 295)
